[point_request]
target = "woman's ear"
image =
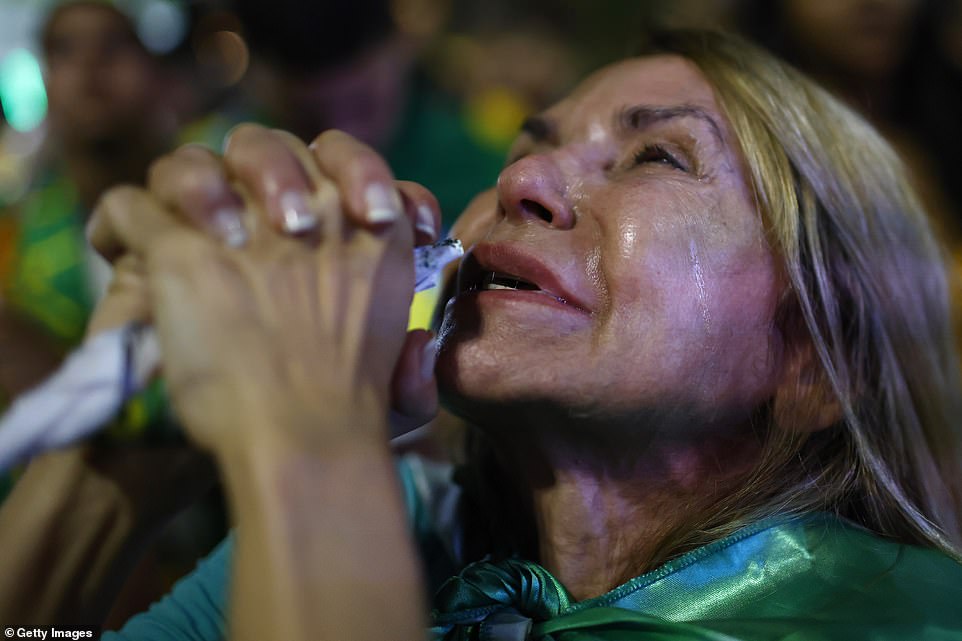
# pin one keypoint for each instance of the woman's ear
(804, 399)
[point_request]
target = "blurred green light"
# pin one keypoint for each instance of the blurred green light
(21, 90)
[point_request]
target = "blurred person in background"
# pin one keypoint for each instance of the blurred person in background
(878, 56)
(346, 64)
(505, 61)
(936, 99)
(106, 124)
(108, 118)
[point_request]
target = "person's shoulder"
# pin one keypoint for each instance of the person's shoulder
(905, 563)
(809, 576)
(847, 574)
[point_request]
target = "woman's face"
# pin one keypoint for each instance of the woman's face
(100, 82)
(626, 275)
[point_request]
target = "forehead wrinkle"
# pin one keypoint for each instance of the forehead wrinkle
(637, 118)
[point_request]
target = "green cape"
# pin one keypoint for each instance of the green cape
(815, 577)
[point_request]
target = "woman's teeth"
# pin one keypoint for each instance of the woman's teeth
(495, 280)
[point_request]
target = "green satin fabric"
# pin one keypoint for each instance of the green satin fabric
(812, 578)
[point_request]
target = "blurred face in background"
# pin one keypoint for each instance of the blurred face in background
(101, 83)
(363, 95)
(862, 38)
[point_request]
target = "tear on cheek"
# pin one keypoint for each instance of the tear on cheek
(701, 290)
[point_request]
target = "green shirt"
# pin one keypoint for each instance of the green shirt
(48, 280)
(811, 578)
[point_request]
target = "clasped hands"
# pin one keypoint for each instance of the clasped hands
(278, 278)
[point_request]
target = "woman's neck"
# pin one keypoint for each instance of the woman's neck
(602, 519)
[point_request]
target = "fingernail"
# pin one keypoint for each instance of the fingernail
(383, 203)
(425, 222)
(297, 215)
(429, 355)
(229, 225)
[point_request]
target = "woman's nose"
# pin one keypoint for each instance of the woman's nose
(532, 188)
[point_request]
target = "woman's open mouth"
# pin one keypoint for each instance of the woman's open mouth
(490, 267)
(498, 280)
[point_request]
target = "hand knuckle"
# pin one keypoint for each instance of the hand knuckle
(368, 167)
(243, 134)
(114, 201)
(196, 150)
(331, 135)
(156, 169)
(197, 184)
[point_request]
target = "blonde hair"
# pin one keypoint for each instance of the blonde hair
(868, 294)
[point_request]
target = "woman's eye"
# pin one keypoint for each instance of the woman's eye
(658, 154)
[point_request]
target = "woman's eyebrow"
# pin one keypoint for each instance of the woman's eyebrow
(640, 117)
